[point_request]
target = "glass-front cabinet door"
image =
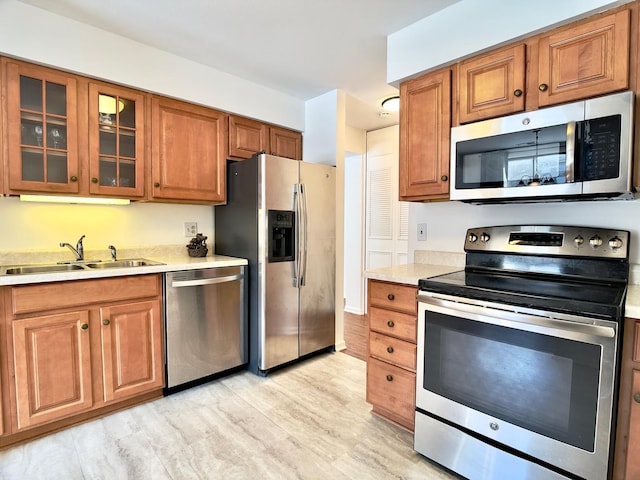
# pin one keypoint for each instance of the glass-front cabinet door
(116, 141)
(42, 129)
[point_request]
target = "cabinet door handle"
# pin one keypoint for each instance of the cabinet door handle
(391, 297)
(636, 397)
(84, 326)
(390, 323)
(517, 92)
(106, 321)
(389, 378)
(157, 184)
(74, 178)
(444, 178)
(94, 180)
(543, 87)
(390, 349)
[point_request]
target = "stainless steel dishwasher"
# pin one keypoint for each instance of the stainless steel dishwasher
(205, 324)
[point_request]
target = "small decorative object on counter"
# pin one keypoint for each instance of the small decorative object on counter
(198, 246)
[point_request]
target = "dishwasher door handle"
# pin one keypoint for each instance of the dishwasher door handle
(206, 281)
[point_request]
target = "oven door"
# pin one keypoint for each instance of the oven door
(540, 386)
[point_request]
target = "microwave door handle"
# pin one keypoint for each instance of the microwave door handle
(570, 150)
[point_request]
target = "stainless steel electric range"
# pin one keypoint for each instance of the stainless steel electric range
(518, 354)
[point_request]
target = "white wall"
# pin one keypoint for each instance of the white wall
(447, 222)
(471, 26)
(42, 226)
(41, 37)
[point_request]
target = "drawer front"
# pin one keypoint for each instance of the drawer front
(40, 297)
(396, 324)
(391, 388)
(393, 296)
(393, 350)
(636, 342)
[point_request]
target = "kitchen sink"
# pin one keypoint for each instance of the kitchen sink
(26, 269)
(128, 263)
(75, 266)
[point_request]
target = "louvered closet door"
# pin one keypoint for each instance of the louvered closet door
(386, 217)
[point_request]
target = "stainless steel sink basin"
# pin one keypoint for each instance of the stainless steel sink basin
(26, 269)
(75, 266)
(125, 263)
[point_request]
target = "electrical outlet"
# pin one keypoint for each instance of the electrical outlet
(422, 231)
(190, 229)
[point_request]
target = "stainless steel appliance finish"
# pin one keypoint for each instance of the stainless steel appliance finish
(572, 151)
(280, 215)
(206, 324)
(518, 354)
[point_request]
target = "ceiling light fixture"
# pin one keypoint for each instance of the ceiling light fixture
(392, 103)
(107, 104)
(71, 200)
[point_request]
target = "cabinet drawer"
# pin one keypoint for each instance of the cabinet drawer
(393, 296)
(391, 388)
(41, 297)
(392, 350)
(636, 342)
(396, 324)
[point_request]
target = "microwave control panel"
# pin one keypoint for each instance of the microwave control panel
(601, 142)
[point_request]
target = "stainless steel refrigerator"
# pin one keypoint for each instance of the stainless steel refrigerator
(280, 215)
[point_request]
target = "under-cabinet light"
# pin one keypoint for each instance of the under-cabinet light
(70, 200)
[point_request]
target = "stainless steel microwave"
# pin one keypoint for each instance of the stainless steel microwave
(577, 151)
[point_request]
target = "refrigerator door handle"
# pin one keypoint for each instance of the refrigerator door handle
(296, 209)
(303, 270)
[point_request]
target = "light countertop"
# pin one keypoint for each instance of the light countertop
(169, 264)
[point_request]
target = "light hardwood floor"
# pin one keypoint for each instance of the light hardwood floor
(307, 421)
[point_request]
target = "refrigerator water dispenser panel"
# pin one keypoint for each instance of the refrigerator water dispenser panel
(281, 235)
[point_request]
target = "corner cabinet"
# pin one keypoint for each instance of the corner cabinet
(247, 137)
(189, 152)
(77, 356)
(42, 129)
(425, 124)
(585, 60)
(391, 360)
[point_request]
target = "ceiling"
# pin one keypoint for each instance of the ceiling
(303, 48)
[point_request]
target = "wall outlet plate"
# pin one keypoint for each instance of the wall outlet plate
(422, 232)
(190, 229)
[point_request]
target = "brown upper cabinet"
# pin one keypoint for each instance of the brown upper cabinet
(70, 136)
(492, 84)
(425, 129)
(116, 141)
(42, 128)
(189, 152)
(247, 137)
(585, 60)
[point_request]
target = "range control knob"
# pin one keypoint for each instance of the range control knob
(484, 237)
(615, 242)
(578, 241)
(472, 238)
(595, 241)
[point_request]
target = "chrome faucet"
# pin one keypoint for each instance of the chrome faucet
(78, 251)
(114, 253)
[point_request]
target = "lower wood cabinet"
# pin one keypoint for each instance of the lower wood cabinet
(79, 348)
(627, 461)
(391, 360)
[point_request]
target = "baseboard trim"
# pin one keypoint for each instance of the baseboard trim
(353, 310)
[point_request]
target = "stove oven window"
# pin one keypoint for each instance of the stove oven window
(545, 384)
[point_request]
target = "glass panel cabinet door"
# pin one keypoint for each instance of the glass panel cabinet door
(42, 127)
(116, 141)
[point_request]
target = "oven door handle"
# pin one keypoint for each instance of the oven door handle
(510, 318)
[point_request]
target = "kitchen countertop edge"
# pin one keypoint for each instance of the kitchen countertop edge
(169, 264)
